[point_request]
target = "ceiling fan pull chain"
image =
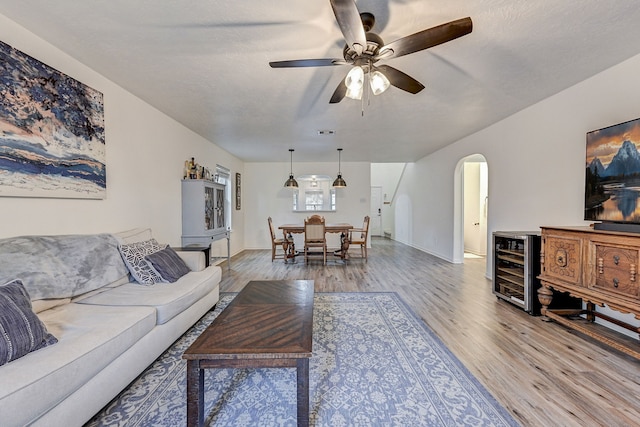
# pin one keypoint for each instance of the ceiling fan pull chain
(369, 85)
(364, 83)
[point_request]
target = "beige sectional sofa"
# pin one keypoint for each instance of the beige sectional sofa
(106, 338)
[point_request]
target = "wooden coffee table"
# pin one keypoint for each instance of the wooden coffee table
(267, 325)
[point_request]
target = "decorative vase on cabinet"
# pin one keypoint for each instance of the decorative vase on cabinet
(203, 212)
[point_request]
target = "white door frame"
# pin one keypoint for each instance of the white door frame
(375, 215)
(458, 197)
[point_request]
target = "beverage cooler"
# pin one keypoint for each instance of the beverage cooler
(516, 266)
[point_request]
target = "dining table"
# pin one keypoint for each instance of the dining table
(290, 248)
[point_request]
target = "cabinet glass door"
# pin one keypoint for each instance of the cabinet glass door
(219, 209)
(209, 208)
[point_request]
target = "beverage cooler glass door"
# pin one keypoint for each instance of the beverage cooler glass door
(514, 272)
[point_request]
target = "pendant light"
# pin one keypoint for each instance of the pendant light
(339, 182)
(291, 182)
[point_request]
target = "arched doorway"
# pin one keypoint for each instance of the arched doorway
(471, 207)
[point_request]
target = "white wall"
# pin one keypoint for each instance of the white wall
(265, 196)
(145, 154)
(535, 158)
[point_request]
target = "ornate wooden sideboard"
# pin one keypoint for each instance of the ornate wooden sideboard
(601, 267)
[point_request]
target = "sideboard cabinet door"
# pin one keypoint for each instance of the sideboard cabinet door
(563, 258)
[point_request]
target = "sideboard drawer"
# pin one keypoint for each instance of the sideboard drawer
(616, 270)
(563, 258)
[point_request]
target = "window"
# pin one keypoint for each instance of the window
(223, 176)
(314, 194)
(313, 200)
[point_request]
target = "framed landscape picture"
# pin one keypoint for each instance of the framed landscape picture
(51, 132)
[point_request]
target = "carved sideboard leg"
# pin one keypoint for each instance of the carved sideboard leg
(545, 296)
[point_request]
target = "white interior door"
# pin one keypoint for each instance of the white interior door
(375, 217)
(475, 208)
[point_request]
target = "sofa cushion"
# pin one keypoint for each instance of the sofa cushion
(194, 259)
(89, 338)
(45, 304)
(169, 299)
(133, 255)
(21, 332)
(125, 279)
(168, 264)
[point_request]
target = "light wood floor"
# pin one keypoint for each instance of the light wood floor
(544, 374)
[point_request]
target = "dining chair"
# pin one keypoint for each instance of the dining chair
(277, 243)
(358, 236)
(314, 237)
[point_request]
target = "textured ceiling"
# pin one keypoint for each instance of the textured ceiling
(205, 63)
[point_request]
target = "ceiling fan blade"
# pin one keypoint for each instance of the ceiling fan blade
(307, 63)
(426, 38)
(350, 24)
(339, 93)
(400, 80)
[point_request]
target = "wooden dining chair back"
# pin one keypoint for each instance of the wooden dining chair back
(358, 237)
(277, 243)
(315, 238)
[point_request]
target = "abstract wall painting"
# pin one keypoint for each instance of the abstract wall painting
(51, 132)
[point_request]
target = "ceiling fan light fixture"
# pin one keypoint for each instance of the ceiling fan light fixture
(355, 79)
(354, 93)
(379, 82)
(364, 48)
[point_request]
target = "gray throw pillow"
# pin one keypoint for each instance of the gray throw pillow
(168, 264)
(21, 332)
(133, 255)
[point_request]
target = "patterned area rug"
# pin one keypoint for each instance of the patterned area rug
(374, 364)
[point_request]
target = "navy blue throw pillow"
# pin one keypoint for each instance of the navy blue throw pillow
(168, 264)
(21, 331)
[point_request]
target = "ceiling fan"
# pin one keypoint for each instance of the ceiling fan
(364, 49)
